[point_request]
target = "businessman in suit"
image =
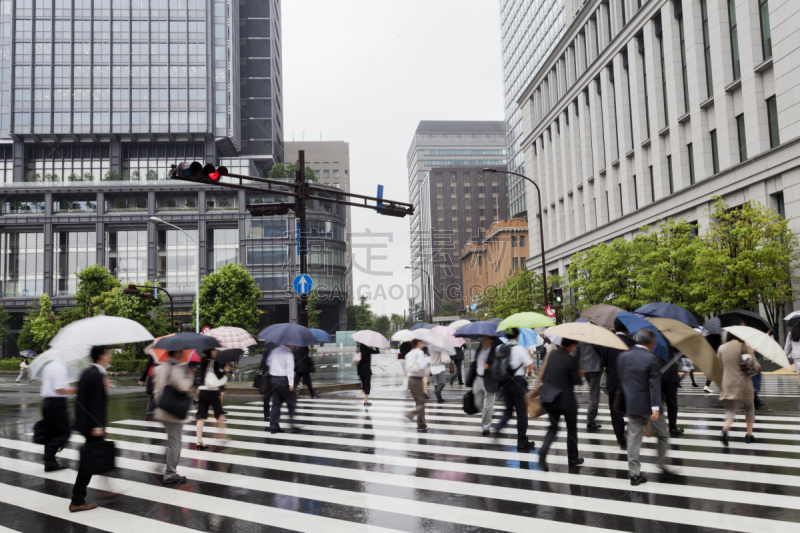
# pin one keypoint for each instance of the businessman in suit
(90, 417)
(558, 398)
(640, 377)
(670, 381)
(592, 366)
(610, 357)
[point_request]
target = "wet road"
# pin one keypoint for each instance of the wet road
(354, 469)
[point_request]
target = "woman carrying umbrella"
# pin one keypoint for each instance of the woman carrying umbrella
(23, 365)
(364, 370)
(792, 348)
(737, 365)
(211, 377)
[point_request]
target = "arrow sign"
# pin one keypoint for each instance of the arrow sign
(303, 283)
(380, 195)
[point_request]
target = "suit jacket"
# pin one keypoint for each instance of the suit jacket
(90, 402)
(459, 356)
(489, 384)
(560, 376)
(640, 377)
(736, 385)
(301, 359)
(610, 357)
(590, 360)
(671, 375)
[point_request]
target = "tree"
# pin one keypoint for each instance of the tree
(313, 310)
(112, 175)
(40, 328)
(149, 312)
(449, 308)
(93, 281)
(383, 325)
(286, 172)
(398, 322)
(359, 316)
(4, 327)
(229, 297)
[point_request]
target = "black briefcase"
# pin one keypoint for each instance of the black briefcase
(175, 402)
(618, 404)
(469, 403)
(97, 458)
(40, 435)
(257, 382)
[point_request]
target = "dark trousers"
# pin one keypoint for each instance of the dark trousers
(457, 373)
(56, 418)
(151, 407)
(670, 392)
(306, 379)
(514, 397)
(617, 419)
(555, 412)
(281, 394)
(366, 383)
(593, 379)
(82, 481)
(266, 407)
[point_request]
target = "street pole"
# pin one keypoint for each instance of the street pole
(300, 211)
(197, 268)
(134, 290)
(541, 224)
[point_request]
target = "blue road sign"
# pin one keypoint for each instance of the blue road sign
(380, 195)
(303, 283)
(473, 306)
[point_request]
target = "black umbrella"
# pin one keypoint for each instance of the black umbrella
(229, 356)
(750, 319)
(187, 341)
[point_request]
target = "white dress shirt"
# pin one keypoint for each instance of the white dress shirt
(436, 362)
(54, 377)
(281, 363)
(656, 408)
(416, 356)
(519, 360)
(483, 354)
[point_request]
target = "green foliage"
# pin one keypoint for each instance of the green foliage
(383, 325)
(448, 308)
(359, 316)
(151, 175)
(228, 297)
(70, 315)
(87, 176)
(313, 310)
(52, 177)
(398, 322)
(136, 175)
(44, 326)
(10, 365)
(149, 312)
(74, 177)
(34, 176)
(4, 328)
(112, 175)
(280, 171)
(93, 281)
(121, 365)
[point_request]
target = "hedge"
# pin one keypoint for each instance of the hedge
(11, 364)
(128, 366)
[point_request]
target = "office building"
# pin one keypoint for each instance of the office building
(454, 201)
(529, 30)
(648, 110)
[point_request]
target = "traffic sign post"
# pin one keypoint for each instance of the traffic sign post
(550, 311)
(206, 330)
(303, 284)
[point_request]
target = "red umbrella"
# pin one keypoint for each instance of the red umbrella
(160, 356)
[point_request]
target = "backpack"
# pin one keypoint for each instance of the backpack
(499, 368)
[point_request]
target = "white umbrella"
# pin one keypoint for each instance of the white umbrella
(459, 323)
(68, 355)
(795, 314)
(760, 342)
(101, 331)
(435, 341)
(371, 338)
(404, 335)
(449, 332)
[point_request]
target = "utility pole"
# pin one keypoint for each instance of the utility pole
(300, 211)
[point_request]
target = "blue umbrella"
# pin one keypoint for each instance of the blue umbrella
(665, 310)
(635, 322)
(291, 334)
(478, 329)
(527, 338)
(28, 353)
(322, 336)
(421, 325)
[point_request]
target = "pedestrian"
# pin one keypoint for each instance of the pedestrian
(514, 390)
(364, 370)
(417, 363)
(483, 387)
(670, 381)
(212, 376)
(792, 348)
(264, 387)
(756, 379)
(147, 378)
(439, 373)
(458, 361)
(405, 347)
(90, 417)
(640, 378)
(172, 373)
(281, 370)
(558, 377)
(303, 367)
(736, 362)
(610, 357)
(23, 370)
(55, 391)
(425, 379)
(689, 366)
(592, 366)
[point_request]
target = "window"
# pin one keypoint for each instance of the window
(690, 148)
(635, 193)
(72, 251)
(271, 281)
(22, 264)
(127, 255)
(652, 185)
(772, 117)
(660, 37)
(734, 39)
(516, 263)
(621, 211)
(683, 65)
(176, 261)
(265, 228)
(266, 255)
(714, 152)
(707, 48)
(742, 137)
(645, 91)
(513, 242)
(522, 241)
(222, 247)
(669, 173)
(766, 34)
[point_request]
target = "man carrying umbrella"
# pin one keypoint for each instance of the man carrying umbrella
(610, 356)
(55, 391)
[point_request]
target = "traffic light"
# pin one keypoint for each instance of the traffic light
(558, 298)
(269, 210)
(197, 172)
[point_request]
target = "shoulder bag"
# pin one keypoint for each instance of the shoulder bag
(356, 358)
(173, 401)
(469, 403)
(535, 407)
(97, 458)
(416, 370)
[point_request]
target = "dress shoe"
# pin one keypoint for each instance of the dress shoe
(623, 447)
(175, 480)
(638, 480)
(723, 437)
(422, 430)
(525, 444)
(314, 394)
(576, 462)
(82, 507)
(543, 463)
(748, 439)
(53, 467)
(367, 404)
(276, 430)
(759, 403)
(675, 433)
(592, 428)
(486, 432)
(695, 384)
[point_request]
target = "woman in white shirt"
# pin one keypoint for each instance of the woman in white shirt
(417, 367)
(792, 348)
(438, 371)
(214, 376)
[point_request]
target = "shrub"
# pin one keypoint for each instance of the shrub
(10, 365)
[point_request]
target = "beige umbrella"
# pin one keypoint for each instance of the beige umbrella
(586, 332)
(762, 343)
(692, 344)
(602, 314)
(459, 323)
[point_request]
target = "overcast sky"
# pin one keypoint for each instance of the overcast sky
(366, 72)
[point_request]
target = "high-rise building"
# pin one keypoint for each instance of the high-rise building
(529, 30)
(454, 202)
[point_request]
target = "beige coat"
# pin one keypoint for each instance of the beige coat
(736, 385)
(178, 377)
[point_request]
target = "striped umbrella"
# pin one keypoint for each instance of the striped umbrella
(230, 337)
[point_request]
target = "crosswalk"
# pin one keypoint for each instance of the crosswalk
(357, 469)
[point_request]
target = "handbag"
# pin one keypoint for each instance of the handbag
(423, 372)
(257, 381)
(40, 433)
(356, 358)
(173, 401)
(535, 407)
(264, 386)
(97, 458)
(469, 403)
(446, 358)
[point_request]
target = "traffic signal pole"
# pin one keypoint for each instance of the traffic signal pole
(300, 212)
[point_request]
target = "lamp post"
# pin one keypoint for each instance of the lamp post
(425, 291)
(541, 223)
(157, 220)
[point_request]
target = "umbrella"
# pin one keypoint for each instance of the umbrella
(635, 322)
(101, 330)
(371, 338)
(30, 354)
(478, 329)
(68, 355)
(750, 319)
(289, 334)
(459, 324)
(667, 310)
(495, 320)
(230, 337)
(602, 314)
(160, 355)
(421, 325)
(435, 341)
(713, 326)
(693, 345)
(762, 343)
(231, 355)
(404, 335)
(450, 334)
(321, 335)
(186, 341)
(527, 338)
(586, 332)
(525, 320)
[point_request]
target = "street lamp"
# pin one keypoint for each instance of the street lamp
(426, 290)
(157, 220)
(541, 223)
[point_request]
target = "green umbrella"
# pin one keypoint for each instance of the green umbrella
(525, 320)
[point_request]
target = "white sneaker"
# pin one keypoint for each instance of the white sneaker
(707, 388)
